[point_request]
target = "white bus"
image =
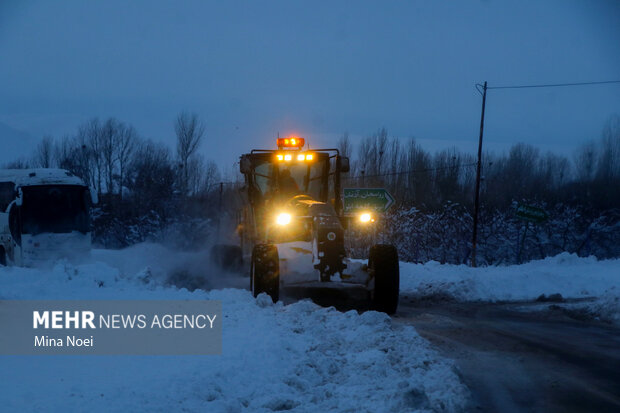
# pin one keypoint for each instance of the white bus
(44, 215)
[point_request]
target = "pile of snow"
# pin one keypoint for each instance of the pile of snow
(565, 274)
(607, 307)
(298, 357)
(164, 266)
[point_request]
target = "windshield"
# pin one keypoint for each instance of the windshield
(293, 178)
(55, 208)
(7, 194)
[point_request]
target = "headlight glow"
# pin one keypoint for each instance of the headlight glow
(365, 217)
(283, 219)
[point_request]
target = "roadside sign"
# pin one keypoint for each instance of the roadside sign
(369, 199)
(531, 213)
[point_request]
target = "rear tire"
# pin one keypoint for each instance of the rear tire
(265, 271)
(383, 261)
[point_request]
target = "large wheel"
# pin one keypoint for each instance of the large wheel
(265, 271)
(227, 257)
(383, 262)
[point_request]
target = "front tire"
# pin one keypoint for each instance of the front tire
(265, 271)
(383, 262)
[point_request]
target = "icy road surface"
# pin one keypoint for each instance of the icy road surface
(524, 357)
(299, 357)
(537, 337)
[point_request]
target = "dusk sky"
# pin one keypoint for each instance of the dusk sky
(315, 68)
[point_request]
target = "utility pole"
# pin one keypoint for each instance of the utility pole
(478, 171)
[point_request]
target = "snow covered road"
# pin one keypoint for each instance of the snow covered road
(298, 357)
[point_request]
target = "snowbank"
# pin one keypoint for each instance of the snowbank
(567, 274)
(298, 357)
(607, 307)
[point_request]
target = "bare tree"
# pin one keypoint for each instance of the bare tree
(609, 156)
(364, 152)
(418, 174)
(74, 155)
(83, 155)
(109, 146)
(380, 147)
(344, 145)
(585, 160)
(127, 138)
(90, 136)
(211, 174)
(150, 177)
(195, 174)
(43, 156)
(190, 131)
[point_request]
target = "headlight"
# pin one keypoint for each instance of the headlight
(283, 219)
(366, 217)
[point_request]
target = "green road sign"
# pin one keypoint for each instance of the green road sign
(531, 213)
(369, 199)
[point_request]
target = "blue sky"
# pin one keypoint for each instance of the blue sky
(319, 68)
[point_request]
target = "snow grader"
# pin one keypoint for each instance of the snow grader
(293, 226)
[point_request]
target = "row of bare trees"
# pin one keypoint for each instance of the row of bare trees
(428, 180)
(110, 155)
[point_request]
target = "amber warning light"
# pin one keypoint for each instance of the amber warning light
(289, 157)
(291, 142)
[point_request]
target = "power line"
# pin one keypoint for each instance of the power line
(409, 172)
(604, 82)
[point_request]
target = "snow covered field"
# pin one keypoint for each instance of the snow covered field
(565, 274)
(298, 357)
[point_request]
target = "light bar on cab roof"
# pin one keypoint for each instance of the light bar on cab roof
(283, 156)
(291, 142)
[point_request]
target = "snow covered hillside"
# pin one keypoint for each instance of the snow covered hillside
(298, 357)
